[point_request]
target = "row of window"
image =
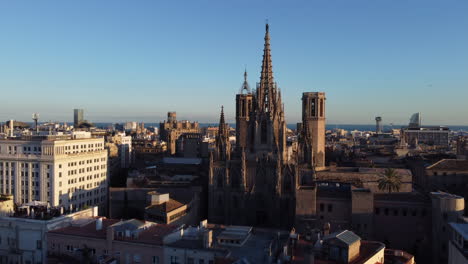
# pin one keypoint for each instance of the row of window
(33, 183)
(82, 170)
(7, 173)
(445, 173)
(31, 149)
(402, 212)
(93, 251)
(175, 260)
(33, 192)
(71, 164)
(329, 207)
(33, 165)
(33, 174)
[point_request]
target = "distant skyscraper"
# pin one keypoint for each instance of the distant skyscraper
(78, 117)
(378, 125)
(415, 120)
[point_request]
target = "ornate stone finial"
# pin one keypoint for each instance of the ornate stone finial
(245, 85)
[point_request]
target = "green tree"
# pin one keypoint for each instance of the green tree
(390, 181)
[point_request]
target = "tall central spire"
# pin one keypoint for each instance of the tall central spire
(265, 91)
(267, 67)
(221, 118)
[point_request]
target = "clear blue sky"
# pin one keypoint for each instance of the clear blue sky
(136, 60)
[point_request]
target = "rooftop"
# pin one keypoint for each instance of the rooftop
(187, 161)
(392, 256)
(152, 234)
(461, 228)
(303, 252)
(450, 165)
(165, 207)
(402, 197)
(346, 236)
(334, 190)
(444, 195)
(87, 230)
(254, 247)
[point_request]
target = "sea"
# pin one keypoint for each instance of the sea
(348, 127)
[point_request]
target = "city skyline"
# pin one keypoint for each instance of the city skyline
(123, 62)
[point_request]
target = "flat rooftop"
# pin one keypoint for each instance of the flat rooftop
(186, 161)
(446, 195)
(152, 235)
(402, 197)
(461, 228)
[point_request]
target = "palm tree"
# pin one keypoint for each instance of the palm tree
(390, 181)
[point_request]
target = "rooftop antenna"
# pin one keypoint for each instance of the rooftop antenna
(35, 117)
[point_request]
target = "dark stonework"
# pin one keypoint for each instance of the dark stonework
(256, 182)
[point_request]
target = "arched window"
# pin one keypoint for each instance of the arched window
(312, 107)
(321, 107)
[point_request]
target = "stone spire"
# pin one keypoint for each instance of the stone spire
(221, 118)
(223, 147)
(245, 85)
(266, 91)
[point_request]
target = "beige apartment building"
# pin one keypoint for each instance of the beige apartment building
(67, 170)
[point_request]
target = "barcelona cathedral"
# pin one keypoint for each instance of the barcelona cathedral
(262, 180)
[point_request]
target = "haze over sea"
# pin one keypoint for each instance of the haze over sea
(349, 127)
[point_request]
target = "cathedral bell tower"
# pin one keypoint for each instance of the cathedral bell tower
(313, 120)
(243, 108)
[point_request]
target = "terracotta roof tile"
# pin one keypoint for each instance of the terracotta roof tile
(164, 207)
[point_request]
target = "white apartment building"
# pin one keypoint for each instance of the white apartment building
(67, 170)
(24, 240)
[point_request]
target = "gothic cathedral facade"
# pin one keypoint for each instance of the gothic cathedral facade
(262, 180)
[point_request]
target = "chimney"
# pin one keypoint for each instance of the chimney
(203, 224)
(326, 229)
(12, 128)
(208, 239)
